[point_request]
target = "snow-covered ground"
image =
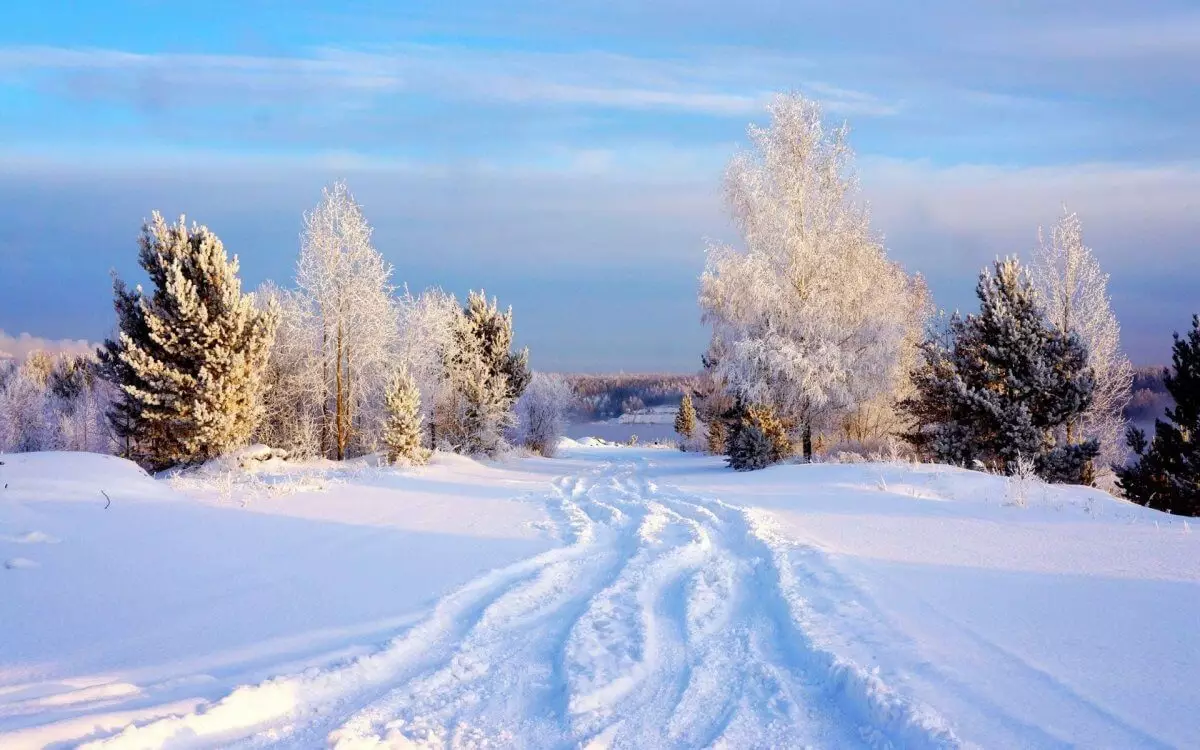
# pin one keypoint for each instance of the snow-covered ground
(613, 597)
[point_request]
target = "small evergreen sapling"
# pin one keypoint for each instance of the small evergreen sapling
(402, 431)
(1166, 472)
(759, 441)
(718, 438)
(685, 419)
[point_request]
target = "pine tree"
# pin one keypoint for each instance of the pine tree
(485, 379)
(189, 357)
(1166, 472)
(718, 437)
(759, 440)
(998, 386)
(402, 431)
(685, 419)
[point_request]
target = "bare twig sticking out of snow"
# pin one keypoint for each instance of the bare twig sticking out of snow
(107, 499)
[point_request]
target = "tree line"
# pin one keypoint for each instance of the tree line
(820, 340)
(341, 364)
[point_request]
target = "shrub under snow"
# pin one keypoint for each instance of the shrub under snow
(542, 412)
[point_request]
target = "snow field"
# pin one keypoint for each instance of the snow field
(681, 605)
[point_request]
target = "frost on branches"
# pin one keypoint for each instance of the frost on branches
(484, 379)
(1074, 293)
(54, 402)
(188, 358)
(541, 413)
(998, 387)
(344, 315)
(402, 429)
(426, 340)
(685, 418)
(811, 317)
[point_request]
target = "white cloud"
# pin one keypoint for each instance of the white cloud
(23, 344)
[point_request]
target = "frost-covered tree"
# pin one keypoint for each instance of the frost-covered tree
(758, 440)
(1166, 471)
(484, 378)
(79, 400)
(1074, 292)
(427, 339)
(293, 381)
(542, 412)
(811, 317)
(685, 419)
(998, 387)
(402, 430)
(24, 406)
(189, 357)
(345, 304)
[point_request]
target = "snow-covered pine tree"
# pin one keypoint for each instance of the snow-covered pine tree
(1074, 293)
(758, 441)
(997, 386)
(1166, 472)
(685, 419)
(484, 379)
(189, 357)
(402, 430)
(494, 332)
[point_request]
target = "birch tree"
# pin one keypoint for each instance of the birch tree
(1074, 293)
(346, 303)
(812, 318)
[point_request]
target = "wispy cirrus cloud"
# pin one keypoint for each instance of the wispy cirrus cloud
(721, 82)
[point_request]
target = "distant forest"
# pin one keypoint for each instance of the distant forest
(1150, 396)
(609, 396)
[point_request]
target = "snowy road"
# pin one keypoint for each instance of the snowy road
(664, 620)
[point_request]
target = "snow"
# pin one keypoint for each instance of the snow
(612, 597)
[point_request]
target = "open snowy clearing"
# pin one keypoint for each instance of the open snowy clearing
(614, 597)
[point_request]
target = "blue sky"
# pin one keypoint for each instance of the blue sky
(567, 155)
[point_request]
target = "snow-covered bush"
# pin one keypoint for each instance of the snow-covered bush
(758, 441)
(542, 413)
(402, 429)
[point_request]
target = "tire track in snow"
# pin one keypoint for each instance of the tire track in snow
(666, 620)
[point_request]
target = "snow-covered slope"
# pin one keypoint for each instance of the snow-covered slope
(612, 597)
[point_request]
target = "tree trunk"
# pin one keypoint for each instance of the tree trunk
(340, 408)
(808, 445)
(324, 390)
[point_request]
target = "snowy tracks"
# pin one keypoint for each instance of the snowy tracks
(665, 620)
